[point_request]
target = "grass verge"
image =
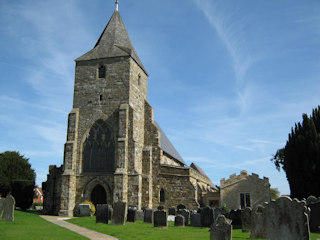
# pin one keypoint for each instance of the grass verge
(28, 226)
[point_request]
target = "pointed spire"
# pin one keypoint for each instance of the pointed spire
(117, 5)
(113, 42)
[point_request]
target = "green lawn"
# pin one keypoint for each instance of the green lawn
(28, 226)
(145, 231)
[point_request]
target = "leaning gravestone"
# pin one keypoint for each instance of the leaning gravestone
(1, 205)
(179, 221)
(119, 213)
(132, 214)
(207, 217)
(172, 211)
(287, 219)
(195, 220)
(160, 219)
(246, 219)
(140, 215)
(217, 212)
(85, 210)
(314, 221)
(8, 209)
(186, 215)
(148, 215)
(258, 222)
(102, 213)
(221, 229)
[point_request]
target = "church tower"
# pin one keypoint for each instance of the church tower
(105, 135)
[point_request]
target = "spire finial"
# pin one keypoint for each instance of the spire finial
(117, 5)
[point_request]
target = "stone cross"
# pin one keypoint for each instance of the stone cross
(8, 209)
(287, 219)
(221, 229)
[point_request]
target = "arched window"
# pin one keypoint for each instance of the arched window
(99, 149)
(102, 71)
(162, 197)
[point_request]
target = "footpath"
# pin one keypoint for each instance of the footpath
(92, 235)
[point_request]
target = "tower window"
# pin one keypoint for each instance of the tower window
(139, 78)
(102, 71)
(100, 98)
(162, 197)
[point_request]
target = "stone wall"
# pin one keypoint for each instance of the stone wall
(257, 188)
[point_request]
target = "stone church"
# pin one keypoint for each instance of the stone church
(115, 150)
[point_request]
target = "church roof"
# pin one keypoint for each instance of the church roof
(113, 42)
(167, 146)
(199, 169)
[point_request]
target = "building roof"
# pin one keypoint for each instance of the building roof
(167, 146)
(199, 169)
(113, 42)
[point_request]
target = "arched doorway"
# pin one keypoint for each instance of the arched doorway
(98, 195)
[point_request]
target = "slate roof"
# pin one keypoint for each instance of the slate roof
(167, 146)
(113, 42)
(199, 169)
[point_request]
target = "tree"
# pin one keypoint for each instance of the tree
(17, 177)
(300, 158)
(274, 192)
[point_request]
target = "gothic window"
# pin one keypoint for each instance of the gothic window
(102, 71)
(244, 200)
(99, 149)
(162, 197)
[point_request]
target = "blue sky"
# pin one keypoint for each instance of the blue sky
(227, 79)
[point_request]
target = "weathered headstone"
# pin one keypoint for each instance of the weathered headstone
(246, 219)
(235, 216)
(181, 206)
(179, 221)
(207, 218)
(258, 229)
(140, 215)
(119, 213)
(172, 211)
(8, 209)
(195, 219)
(1, 205)
(287, 219)
(148, 215)
(186, 215)
(85, 210)
(110, 213)
(132, 214)
(314, 221)
(160, 219)
(102, 213)
(221, 229)
(311, 199)
(160, 208)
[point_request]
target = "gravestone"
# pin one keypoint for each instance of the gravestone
(258, 229)
(287, 219)
(314, 221)
(102, 213)
(132, 214)
(8, 209)
(181, 206)
(119, 213)
(172, 211)
(207, 218)
(186, 215)
(140, 215)
(179, 221)
(195, 219)
(199, 210)
(160, 208)
(246, 219)
(85, 210)
(160, 219)
(221, 229)
(1, 205)
(110, 213)
(311, 199)
(217, 212)
(148, 215)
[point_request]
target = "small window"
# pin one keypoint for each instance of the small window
(100, 98)
(139, 78)
(102, 71)
(244, 200)
(162, 197)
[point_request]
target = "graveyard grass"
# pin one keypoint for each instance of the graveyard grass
(146, 231)
(28, 226)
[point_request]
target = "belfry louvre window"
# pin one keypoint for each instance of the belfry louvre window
(102, 71)
(162, 197)
(244, 200)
